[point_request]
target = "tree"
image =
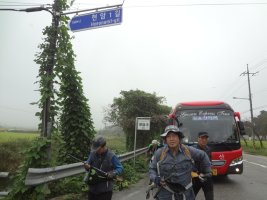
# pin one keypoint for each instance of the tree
(136, 103)
(261, 123)
(259, 127)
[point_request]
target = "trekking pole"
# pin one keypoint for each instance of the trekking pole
(75, 158)
(96, 169)
(156, 194)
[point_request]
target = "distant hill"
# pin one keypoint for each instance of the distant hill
(17, 129)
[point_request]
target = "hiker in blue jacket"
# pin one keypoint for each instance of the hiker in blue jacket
(105, 160)
(172, 165)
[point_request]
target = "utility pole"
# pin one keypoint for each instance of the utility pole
(48, 119)
(250, 100)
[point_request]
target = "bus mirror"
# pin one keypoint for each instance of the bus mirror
(237, 114)
(241, 127)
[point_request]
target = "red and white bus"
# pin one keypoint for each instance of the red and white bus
(223, 126)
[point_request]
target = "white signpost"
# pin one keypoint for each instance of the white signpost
(141, 123)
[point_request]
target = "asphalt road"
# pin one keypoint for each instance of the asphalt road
(251, 185)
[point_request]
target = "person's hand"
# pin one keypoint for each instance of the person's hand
(87, 166)
(202, 177)
(111, 174)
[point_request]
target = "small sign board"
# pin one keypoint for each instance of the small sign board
(143, 124)
(96, 19)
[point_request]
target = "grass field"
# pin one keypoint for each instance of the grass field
(116, 143)
(11, 136)
(257, 150)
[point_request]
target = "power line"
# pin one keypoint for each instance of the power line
(23, 5)
(233, 89)
(181, 5)
(262, 90)
(262, 68)
(260, 64)
(198, 4)
(256, 108)
(12, 2)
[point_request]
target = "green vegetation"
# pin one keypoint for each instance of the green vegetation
(116, 144)
(11, 154)
(258, 150)
(12, 136)
(36, 156)
(259, 127)
(76, 124)
(136, 103)
(11, 157)
(62, 100)
(66, 126)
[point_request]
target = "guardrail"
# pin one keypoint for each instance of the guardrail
(3, 175)
(37, 176)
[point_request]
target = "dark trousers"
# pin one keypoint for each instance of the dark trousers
(101, 196)
(206, 186)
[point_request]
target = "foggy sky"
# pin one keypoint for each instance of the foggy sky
(181, 51)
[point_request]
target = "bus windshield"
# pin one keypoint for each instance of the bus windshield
(219, 124)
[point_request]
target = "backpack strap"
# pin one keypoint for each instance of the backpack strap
(160, 158)
(163, 153)
(184, 148)
(187, 152)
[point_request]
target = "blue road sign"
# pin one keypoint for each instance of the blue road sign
(96, 19)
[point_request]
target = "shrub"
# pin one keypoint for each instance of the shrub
(11, 154)
(71, 185)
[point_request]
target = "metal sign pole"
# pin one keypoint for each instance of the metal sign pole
(136, 119)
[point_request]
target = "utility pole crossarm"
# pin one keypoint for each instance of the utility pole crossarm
(32, 9)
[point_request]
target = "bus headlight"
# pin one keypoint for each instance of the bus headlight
(237, 161)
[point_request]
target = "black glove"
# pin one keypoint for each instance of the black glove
(157, 180)
(111, 174)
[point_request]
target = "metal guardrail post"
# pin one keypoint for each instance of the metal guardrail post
(3, 194)
(3, 175)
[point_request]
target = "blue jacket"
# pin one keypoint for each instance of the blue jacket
(106, 162)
